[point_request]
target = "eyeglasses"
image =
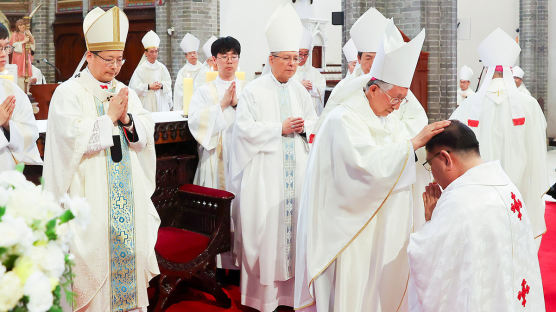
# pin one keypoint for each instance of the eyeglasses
(427, 164)
(303, 54)
(295, 59)
(7, 49)
(116, 62)
(394, 100)
(233, 58)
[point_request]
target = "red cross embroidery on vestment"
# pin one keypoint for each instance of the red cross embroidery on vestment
(516, 206)
(524, 291)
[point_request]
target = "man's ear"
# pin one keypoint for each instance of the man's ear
(446, 158)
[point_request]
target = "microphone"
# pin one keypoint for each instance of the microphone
(50, 64)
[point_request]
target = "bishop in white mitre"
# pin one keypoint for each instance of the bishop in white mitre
(477, 250)
(100, 146)
(189, 45)
(356, 211)
(151, 79)
(310, 77)
(464, 89)
(509, 125)
(208, 66)
(269, 156)
(518, 78)
(350, 52)
(19, 132)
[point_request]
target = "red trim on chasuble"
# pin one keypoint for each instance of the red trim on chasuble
(472, 123)
(518, 121)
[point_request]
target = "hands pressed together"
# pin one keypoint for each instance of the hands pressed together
(292, 124)
(117, 109)
(155, 86)
(430, 198)
(230, 97)
(6, 110)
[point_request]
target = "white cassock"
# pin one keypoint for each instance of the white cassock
(308, 72)
(19, 143)
(462, 95)
(147, 73)
(523, 89)
(201, 77)
(521, 148)
(38, 74)
(267, 171)
(187, 71)
(123, 233)
(477, 253)
(356, 213)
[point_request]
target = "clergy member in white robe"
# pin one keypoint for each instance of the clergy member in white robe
(356, 211)
(518, 78)
(189, 45)
(477, 250)
(509, 125)
(38, 77)
(310, 77)
(151, 79)
(19, 132)
(350, 52)
(208, 66)
(269, 156)
(464, 90)
(100, 146)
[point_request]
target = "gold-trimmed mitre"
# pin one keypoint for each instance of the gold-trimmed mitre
(105, 30)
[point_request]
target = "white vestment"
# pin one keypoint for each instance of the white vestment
(477, 253)
(10, 69)
(19, 143)
(520, 145)
(267, 171)
(77, 158)
(187, 71)
(356, 213)
(38, 74)
(308, 72)
(147, 73)
(523, 89)
(462, 95)
(201, 77)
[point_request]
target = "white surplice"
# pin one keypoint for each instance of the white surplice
(462, 95)
(187, 71)
(308, 72)
(147, 73)
(521, 148)
(477, 253)
(78, 137)
(19, 143)
(523, 89)
(356, 213)
(267, 171)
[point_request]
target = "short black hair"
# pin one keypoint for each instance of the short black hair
(360, 54)
(224, 45)
(4, 34)
(458, 137)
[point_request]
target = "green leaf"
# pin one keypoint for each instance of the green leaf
(66, 216)
(3, 250)
(51, 229)
(19, 167)
(9, 263)
(2, 211)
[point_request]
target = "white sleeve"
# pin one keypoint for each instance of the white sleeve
(101, 138)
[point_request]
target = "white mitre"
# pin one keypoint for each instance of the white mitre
(350, 51)
(395, 59)
(105, 30)
(189, 43)
(284, 29)
(368, 30)
(518, 72)
(306, 40)
(207, 46)
(465, 73)
(150, 40)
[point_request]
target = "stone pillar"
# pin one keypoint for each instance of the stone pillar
(41, 27)
(533, 37)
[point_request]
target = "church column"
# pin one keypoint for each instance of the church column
(41, 27)
(533, 40)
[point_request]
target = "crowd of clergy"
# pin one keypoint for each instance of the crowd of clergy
(357, 205)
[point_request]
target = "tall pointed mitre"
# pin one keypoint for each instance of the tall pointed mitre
(105, 30)
(150, 40)
(465, 73)
(368, 30)
(208, 45)
(306, 40)
(189, 43)
(395, 59)
(284, 29)
(498, 49)
(518, 72)
(350, 51)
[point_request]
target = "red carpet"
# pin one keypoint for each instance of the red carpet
(200, 302)
(547, 258)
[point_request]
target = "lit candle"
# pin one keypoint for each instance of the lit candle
(211, 75)
(187, 94)
(9, 77)
(240, 75)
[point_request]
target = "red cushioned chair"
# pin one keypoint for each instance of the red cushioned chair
(192, 233)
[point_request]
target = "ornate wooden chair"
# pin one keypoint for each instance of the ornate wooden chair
(195, 227)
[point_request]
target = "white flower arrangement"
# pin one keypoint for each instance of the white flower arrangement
(35, 263)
